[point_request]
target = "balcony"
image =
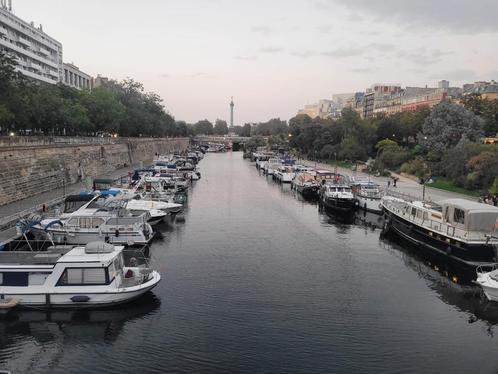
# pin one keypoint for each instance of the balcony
(24, 42)
(36, 66)
(3, 30)
(43, 51)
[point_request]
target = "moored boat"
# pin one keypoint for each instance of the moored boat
(369, 196)
(306, 185)
(82, 277)
(460, 229)
(337, 197)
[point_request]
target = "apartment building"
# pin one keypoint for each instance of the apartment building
(37, 55)
(74, 77)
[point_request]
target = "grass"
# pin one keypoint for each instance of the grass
(340, 164)
(444, 184)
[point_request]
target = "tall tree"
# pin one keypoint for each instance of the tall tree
(447, 125)
(220, 127)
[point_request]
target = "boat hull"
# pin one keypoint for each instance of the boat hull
(339, 205)
(308, 192)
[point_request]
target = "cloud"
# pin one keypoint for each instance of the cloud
(246, 58)
(459, 16)
(362, 70)
(271, 49)
(303, 54)
(324, 29)
(383, 47)
(344, 52)
(264, 30)
(164, 75)
(355, 17)
(460, 75)
(195, 75)
(422, 56)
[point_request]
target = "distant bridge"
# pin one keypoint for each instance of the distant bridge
(238, 142)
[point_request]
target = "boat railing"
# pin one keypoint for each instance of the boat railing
(486, 268)
(399, 195)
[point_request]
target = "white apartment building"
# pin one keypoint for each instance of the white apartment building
(38, 56)
(74, 77)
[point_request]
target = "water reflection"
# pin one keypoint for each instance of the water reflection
(30, 333)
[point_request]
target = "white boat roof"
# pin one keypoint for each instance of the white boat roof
(82, 254)
(469, 205)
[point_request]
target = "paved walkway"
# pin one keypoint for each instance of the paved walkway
(403, 185)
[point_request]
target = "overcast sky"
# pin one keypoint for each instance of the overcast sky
(271, 56)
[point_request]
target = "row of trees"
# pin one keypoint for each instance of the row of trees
(442, 142)
(122, 108)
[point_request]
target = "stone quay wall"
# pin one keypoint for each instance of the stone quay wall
(27, 170)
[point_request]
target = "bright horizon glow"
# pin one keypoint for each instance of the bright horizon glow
(272, 57)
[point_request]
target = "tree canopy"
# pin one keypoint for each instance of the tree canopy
(124, 108)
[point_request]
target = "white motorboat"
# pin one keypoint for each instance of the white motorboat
(96, 223)
(369, 195)
(284, 174)
(83, 277)
(272, 165)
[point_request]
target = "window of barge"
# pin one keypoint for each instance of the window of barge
(84, 277)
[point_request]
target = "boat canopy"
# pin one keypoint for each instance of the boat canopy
(470, 215)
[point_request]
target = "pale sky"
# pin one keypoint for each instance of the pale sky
(272, 56)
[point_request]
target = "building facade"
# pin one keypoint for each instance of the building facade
(38, 56)
(376, 95)
(74, 77)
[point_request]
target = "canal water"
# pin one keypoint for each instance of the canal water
(255, 280)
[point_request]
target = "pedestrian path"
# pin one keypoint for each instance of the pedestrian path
(403, 184)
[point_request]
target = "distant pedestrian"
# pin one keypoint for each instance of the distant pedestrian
(495, 200)
(394, 181)
(388, 183)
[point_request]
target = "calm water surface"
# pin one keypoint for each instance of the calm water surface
(257, 281)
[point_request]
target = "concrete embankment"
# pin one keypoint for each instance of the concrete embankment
(30, 166)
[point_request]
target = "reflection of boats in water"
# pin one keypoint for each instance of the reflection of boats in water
(452, 283)
(46, 335)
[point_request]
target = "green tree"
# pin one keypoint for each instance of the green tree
(220, 127)
(446, 126)
(105, 111)
(203, 127)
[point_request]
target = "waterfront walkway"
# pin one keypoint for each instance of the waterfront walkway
(404, 185)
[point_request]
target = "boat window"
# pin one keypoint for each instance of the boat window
(96, 222)
(446, 214)
(85, 222)
(14, 279)
(426, 216)
(419, 214)
(459, 216)
(72, 222)
(83, 276)
(37, 279)
(414, 212)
